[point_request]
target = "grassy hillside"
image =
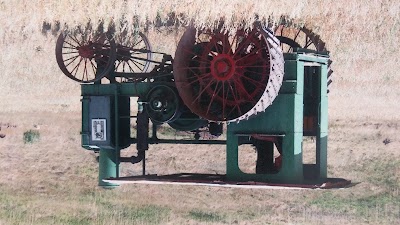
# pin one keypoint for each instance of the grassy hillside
(53, 180)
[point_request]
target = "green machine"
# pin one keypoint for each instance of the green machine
(300, 110)
(269, 89)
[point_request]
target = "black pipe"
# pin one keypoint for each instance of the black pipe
(133, 159)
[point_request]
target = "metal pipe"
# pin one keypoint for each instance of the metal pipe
(144, 164)
(133, 159)
(174, 141)
(116, 133)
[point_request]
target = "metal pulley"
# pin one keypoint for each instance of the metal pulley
(163, 104)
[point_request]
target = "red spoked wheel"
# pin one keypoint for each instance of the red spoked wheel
(133, 55)
(85, 57)
(222, 77)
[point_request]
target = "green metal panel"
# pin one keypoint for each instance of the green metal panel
(85, 133)
(317, 58)
(284, 115)
(285, 118)
(108, 167)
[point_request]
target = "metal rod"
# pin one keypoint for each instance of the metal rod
(125, 117)
(144, 163)
(154, 132)
(174, 141)
(116, 121)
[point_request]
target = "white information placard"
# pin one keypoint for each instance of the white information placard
(99, 130)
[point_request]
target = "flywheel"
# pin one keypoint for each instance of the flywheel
(228, 77)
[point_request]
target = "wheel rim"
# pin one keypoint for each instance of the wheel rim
(84, 57)
(133, 55)
(221, 77)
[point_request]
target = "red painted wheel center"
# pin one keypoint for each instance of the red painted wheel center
(223, 67)
(86, 51)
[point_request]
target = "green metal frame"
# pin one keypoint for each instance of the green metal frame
(284, 119)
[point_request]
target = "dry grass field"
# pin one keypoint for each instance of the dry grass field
(52, 180)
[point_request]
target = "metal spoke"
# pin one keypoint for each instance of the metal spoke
(71, 61)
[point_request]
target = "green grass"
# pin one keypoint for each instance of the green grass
(329, 200)
(12, 209)
(31, 136)
(203, 216)
(384, 204)
(96, 207)
(383, 173)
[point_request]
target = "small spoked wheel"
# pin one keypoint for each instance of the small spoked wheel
(133, 55)
(85, 57)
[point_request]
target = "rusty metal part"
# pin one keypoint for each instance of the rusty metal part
(223, 77)
(85, 57)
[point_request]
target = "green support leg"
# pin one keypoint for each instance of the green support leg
(322, 135)
(108, 167)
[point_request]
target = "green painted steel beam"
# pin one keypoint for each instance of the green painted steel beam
(315, 58)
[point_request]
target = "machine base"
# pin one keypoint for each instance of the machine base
(221, 181)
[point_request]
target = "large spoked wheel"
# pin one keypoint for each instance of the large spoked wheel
(221, 77)
(85, 57)
(133, 55)
(292, 38)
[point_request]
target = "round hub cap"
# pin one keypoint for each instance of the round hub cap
(223, 67)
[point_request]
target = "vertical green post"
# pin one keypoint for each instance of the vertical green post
(232, 155)
(109, 158)
(322, 134)
(108, 167)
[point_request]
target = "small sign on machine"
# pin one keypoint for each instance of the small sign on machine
(99, 127)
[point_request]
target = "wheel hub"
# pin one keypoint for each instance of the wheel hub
(86, 51)
(157, 104)
(222, 67)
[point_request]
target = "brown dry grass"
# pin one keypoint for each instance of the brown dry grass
(53, 181)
